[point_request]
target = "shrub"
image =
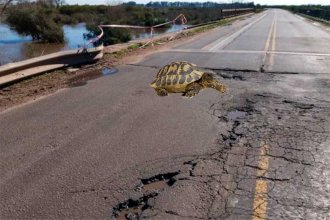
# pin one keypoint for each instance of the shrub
(37, 21)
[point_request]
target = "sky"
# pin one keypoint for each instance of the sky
(263, 2)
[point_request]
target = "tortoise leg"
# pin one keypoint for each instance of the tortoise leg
(192, 90)
(161, 92)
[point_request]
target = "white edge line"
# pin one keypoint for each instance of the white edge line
(233, 36)
(247, 52)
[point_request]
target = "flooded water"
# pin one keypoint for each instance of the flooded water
(14, 47)
(142, 34)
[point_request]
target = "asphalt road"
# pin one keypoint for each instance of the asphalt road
(113, 148)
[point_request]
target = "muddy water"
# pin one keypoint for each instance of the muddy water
(82, 79)
(142, 34)
(236, 115)
(14, 47)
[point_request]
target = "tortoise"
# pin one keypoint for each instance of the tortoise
(186, 78)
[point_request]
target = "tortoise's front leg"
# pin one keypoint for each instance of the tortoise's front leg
(192, 89)
(161, 92)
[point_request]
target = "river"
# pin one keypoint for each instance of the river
(14, 47)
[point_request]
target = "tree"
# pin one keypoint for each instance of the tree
(5, 4)
(59, 3)
(37, 21)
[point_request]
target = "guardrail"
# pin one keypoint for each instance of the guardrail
(314, 18)
(315, 13)
(12, 72)
(180, 16)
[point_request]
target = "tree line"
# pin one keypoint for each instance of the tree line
(319, 11)
(43, 19)
(164, 4)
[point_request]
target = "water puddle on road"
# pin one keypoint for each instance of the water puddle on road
(130, 213)
(154, 186)
(108, 71)
(158, 182)
(83, 78)
(236, 115)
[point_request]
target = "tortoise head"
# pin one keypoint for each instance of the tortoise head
(209, 81)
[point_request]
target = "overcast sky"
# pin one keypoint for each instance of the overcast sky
(268, 2)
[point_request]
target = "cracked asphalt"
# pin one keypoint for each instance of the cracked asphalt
(113, 149)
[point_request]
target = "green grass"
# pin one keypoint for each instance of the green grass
(219, 23)
(134, 46)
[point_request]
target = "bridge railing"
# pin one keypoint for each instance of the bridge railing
(180, 17)
(224, 13)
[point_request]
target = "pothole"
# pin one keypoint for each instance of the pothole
(108, 71)
(132, 209)
(236, 115)
(158, 182)
(150, 187)
(232, 138)
(80, 80)
(155, 186)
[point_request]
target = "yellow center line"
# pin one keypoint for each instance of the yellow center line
(267, 45)
(260, 197)
(274, 34)
(271, 58)
(269, 36)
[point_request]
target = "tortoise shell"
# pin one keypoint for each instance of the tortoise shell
(177, 75)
